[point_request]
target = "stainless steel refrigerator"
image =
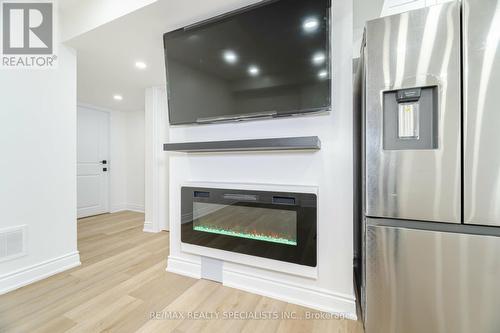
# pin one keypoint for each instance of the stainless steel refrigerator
(430, 92)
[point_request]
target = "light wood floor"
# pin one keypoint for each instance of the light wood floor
(122, 280)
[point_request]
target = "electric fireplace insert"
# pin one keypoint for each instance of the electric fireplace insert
(274, 225)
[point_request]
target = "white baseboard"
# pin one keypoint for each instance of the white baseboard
(123, 207)
(135, 208)
(184, 267)
(148, 227)
(118, 208)
(40, 271)
(319, 299)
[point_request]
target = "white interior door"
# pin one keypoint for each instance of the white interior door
(92, 162)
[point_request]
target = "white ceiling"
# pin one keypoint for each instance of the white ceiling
(66, 4)
(107, 54)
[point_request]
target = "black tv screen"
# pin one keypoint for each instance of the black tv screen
(267, 60)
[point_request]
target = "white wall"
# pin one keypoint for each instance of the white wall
(79, 16)
(126, 159)
(118, 161)
(330, 169)
(38, 168)
(363, 11)
(135, 160)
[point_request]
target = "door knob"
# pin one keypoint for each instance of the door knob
(104, 169)
(104, 162)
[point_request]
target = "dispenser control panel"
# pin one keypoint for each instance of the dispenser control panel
(408, 115)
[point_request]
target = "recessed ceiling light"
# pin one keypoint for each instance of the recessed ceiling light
(318, 58)
(141, 65)
(117, 97)
(310, 24)
(323, 74)
(253, 70)
(230, 57)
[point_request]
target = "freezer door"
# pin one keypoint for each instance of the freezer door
(428, 281)
(413, 115)
(482, 112)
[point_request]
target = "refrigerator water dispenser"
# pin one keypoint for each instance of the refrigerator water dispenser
(410, 119)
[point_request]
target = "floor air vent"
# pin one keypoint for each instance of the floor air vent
(12, 243)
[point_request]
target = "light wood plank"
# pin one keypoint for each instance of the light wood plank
(122, 281)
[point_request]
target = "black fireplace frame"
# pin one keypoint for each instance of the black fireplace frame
(304, 204)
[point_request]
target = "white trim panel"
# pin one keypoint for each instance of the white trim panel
(318, 299)
(252, 261)
(184, 267)
(314, 298)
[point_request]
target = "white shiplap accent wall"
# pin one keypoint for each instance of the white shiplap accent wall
(330, 170)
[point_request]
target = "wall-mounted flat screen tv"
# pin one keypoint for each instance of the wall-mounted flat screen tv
(267, 60)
